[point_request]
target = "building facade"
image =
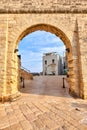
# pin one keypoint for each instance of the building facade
(52, 64)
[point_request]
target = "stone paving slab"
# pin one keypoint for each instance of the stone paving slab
(44, 105)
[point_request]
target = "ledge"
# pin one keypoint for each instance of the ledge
(50, 11)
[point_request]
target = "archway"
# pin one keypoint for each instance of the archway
(34, 47)
(62, 36)
(47, 28)
(14, 78)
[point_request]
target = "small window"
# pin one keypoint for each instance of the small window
(53, 60)
(45, 62)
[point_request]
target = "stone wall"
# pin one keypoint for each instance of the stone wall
(16, 6)
(26, 75)
(3, 54)
(57, 24)
(70, 27)
(82, 32)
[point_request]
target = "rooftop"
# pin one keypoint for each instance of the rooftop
(50, 53)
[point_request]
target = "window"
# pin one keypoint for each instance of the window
(45, 62)
(53, 60)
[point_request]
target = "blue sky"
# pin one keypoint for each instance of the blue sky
(32, 47)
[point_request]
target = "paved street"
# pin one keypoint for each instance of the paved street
(44, 105)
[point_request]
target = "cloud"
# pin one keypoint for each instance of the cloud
(40, 38)
(32, 61)
(53, 49)
(33, 66)
(34, 45)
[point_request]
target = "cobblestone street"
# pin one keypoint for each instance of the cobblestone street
(44, 105)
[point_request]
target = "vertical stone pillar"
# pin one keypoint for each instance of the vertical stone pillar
(8, 62)
(18, 71)
(82, 26)
(75, 80)
(3, 54)
(13, 76)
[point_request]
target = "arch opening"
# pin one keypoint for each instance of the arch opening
(48, 28)
(14, 75)
(34, 48)
(58, 33)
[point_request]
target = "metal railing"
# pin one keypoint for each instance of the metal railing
(23, 68)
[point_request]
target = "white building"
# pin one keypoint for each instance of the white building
(52, 64)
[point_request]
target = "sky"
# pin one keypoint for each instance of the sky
(32, 47)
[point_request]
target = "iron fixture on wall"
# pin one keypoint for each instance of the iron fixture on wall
(68, 50)
(19, 56)
(16, 50)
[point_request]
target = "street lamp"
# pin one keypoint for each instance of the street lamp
(63, 83)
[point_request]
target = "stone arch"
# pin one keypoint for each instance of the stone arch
(14, 78)
(48, 28)
(59, 33)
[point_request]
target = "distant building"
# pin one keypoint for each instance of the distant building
(52, 64)
(65, 65)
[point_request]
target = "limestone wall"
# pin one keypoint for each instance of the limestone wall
(26, 75)
(22, 6)
(63, 26)
(82, 30)
(71, 28)
(3, 54)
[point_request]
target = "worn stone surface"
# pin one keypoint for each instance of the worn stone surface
(44, 105)
(63, 6)
(25, 74)
(70, 27)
